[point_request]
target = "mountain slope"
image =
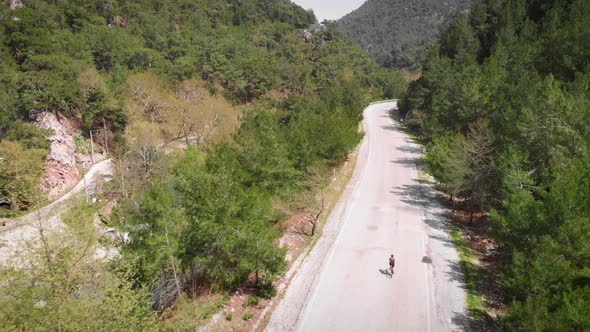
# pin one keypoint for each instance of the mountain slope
(269, 107)
(396, 32)
(87, 61)
(504, 101)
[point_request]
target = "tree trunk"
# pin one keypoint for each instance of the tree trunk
(176, 280)
(316, 219)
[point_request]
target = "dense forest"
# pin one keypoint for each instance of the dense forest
(153, 71)
(398, 33)
(504, 101)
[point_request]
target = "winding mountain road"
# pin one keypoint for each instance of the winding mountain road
(342, 285)
(16, 232)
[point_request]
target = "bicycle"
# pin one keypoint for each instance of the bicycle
(391, 264)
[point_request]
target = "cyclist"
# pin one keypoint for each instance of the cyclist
(391, 263)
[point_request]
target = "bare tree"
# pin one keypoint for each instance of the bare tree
(148, 153)
(315, 221)
(172, 263)
(479, 148)
(187, 96)
(142, 90)
(208, 128)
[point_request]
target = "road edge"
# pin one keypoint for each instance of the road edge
(336, 228)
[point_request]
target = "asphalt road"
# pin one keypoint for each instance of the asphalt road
(16, 232)
(342, 285)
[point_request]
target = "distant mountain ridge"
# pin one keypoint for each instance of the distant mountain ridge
(397, 32)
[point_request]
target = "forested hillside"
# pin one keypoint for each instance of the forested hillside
(284, 102)
(397, 33)
(504, 100)
(82, 60)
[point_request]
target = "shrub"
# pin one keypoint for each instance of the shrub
(251, 301)
(247, 316)
(266, 291)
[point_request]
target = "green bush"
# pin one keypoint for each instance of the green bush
(83, 144)
(247, 316)
(21, 171)
(251, 301)
(266, 291)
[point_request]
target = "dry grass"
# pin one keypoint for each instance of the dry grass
(191, 313)
(409, 76)
(182, 111)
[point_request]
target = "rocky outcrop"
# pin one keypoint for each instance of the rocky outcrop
(14, 4)
(61, 171)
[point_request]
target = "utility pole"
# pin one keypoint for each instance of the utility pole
(84, 180)
(106, 141)
(91, 147)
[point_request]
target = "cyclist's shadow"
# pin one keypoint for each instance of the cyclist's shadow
(387, 273)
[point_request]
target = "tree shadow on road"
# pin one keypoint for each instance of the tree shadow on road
(438, 221)
(417, 149)
(420, 195)
(464, 322)
(390, 127)
(456, 273)
(467, 322)
(446, 241)
(407, 162)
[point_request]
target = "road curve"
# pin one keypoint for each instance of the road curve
(16, 232)
(342, 284)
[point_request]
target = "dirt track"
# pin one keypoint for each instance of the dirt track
(343, 284)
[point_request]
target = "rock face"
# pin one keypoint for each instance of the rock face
(14, 4)
(61, 172)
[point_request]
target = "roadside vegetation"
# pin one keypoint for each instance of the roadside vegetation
(112, 64)
(263, 107)
(61, 283)
(469, 265)
(503, 101)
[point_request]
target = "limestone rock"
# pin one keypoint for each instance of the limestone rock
(61, 172)
(14, 4)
